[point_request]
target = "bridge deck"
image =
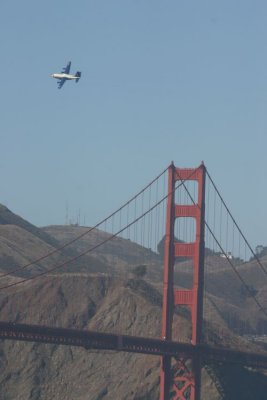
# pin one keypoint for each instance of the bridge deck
(142, 345)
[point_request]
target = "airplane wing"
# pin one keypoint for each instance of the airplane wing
(61, 83)
(66, 70)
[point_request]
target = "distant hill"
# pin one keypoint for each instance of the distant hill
(22, 243)
(9, 218)
(120, 255)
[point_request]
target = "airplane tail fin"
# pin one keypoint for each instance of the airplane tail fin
(78, 75)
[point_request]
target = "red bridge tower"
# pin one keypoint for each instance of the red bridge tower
(181, 378)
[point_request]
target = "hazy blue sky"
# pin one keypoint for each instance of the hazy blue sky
(161, 80)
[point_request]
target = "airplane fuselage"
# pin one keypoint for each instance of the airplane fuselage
(64, 76)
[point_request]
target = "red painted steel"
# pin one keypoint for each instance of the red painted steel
(180, 378)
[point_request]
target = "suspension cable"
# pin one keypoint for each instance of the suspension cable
(84, 233)
(239, 230)
(235, 271)
(222, 250)
(99, 244)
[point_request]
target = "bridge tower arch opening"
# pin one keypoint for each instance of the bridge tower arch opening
(180, 378)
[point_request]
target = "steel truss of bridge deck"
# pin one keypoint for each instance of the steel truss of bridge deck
(132, 344)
